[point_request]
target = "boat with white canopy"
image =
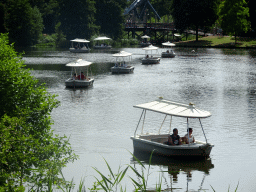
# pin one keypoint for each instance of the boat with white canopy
(168, 53)
(145, 42)
(120, 65)
(78, 79)
(150, 59)
(158, 142)
(101, 43)
(80, 47)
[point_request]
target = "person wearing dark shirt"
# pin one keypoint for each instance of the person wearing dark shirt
(174, 139)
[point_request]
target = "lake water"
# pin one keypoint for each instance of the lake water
(101, 119)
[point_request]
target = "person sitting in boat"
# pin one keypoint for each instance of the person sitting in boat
(167, 51)
(174, 139)
(147, 56)
(74, 76)
(81, 76)
(189, 139)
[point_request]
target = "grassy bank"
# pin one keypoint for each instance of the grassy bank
(220, 42)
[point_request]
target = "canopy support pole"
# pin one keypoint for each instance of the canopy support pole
(143, 122)
(138, 123)
(188, 131)
(170, 125)
(162, 125)
(203, 130)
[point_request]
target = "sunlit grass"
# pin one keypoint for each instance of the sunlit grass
(220, 41)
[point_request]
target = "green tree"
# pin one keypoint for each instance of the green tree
(252, 12)
(234, 17)
(110, 17)
(162, 7)
(194, 13)
(49, 11)
(23, 23)
(29, 151)
(77, 18)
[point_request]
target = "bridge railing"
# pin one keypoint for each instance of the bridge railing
(150, 25)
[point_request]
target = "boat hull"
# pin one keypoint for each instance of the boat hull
(168, 55)
(102, 47)
(82, 50)
(149, 61)
(159, 147)
(78, 83)
(118, 70)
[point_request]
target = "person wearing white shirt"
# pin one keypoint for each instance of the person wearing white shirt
(189, 139)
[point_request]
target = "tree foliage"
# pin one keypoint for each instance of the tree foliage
(233, 16)
(194, 14)
(29, 152)
(23, 22)
(109, 16)
(77, 18)
(162, 7)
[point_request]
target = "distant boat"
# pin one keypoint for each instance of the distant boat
(101, 43)
(80, 47)
(78, 79)
(150, 59)
(120, 65)
(144, 42)
(168, 53)
(157, 142)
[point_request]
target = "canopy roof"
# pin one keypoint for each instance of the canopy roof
(168, 44)
(102, 38)
(80, 40)
(122, 54)
(145, 37)
(150, 47)
(174, 109)
(79, 63)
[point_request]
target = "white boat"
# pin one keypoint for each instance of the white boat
(80, 47)
(76, 81)
(150, 59)
(158, 142)
(120, 65)
(101, 43)
(145, 42)
(168, 53)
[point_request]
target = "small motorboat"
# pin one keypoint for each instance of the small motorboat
(101, 43)
(80, 47)
(168, 53)
(158, 142)
(78, 79)
(150, 59)
(120, 65)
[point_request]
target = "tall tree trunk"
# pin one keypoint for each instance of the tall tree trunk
(235, 38)
(196, 33)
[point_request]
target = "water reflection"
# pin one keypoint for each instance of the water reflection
(78, 95)
(176, 167)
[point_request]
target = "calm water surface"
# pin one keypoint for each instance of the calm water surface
(101, 119)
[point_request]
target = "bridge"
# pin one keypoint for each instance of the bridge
(137, 23)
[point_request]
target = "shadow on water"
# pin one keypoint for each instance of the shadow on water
(175, 167)
(95, 68)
